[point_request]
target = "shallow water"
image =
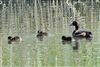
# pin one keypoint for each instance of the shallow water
(50, 52)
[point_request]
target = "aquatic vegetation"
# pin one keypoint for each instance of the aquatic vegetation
(25, 17)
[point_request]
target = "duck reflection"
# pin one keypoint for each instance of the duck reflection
(76, 46)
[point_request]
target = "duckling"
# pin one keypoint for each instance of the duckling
(66, 39)
(41, 35)
(80, 34)
(13, 39)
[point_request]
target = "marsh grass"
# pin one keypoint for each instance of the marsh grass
(25, 17)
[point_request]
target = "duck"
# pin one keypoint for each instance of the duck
(80, 34)
(40, 35)
(66, 39)
(14, 39)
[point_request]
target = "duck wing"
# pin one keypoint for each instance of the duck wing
(82, 33)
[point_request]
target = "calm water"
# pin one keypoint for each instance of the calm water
(25, 20)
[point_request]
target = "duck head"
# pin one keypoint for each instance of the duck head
(9, 37)
(74, 23)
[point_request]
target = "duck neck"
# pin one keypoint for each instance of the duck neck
(76, 28)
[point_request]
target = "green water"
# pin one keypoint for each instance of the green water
(25, 20)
